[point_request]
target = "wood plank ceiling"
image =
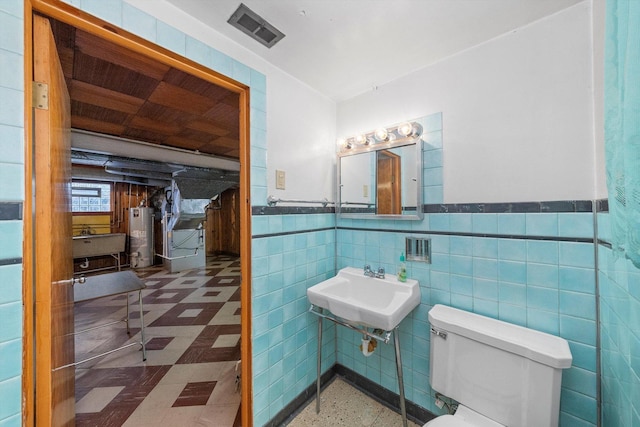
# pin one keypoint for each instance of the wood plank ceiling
(118, 92)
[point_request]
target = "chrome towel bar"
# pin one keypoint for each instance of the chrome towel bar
(272, 201)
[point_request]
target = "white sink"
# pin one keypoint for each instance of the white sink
(366, 301)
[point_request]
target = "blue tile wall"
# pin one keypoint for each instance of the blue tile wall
(432, 157)
(299, 253)
(11, 191)
(531, 269)
(109, 10)
(619, 284)
(547, 285)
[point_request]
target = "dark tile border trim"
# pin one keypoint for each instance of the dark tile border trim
(443, 233)
(469, 234)
(558, 206)
(518, 207)
(289, 210)
(10, 261)
(287, 233)
(388, 398)
(10, 211)
(602, 205)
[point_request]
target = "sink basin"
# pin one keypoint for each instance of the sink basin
(366, 301)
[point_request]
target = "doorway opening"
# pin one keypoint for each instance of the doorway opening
(125, 95)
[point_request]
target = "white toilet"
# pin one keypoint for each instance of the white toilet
(500, 374)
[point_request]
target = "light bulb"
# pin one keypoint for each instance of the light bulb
(361, 139)
(382, 134)
(344, 144)
(405, 129)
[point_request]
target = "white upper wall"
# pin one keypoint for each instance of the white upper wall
(598, 35)
(518, 112)
(301, 136)
(300, 120)
(520, 123)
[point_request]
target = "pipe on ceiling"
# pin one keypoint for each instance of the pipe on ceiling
(106, 144)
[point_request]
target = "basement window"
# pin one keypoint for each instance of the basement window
(90, 197)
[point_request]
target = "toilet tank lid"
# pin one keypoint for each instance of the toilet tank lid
(541, 347)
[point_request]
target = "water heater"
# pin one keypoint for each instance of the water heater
(141, 237)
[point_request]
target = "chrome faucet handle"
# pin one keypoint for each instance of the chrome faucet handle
(368, 271)
(381, 270)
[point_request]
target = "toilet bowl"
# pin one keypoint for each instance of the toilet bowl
(464, 417)
(499, 373)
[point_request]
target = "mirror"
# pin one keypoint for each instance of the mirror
(381, 181)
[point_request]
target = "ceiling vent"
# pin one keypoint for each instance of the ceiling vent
(255, 26)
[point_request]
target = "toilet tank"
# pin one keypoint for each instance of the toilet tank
(505, 372)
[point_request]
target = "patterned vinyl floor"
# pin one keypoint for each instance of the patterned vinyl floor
(192, 327)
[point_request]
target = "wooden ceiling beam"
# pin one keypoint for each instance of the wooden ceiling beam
(180, 99)
(98, 126)
(208, 126)
(110, 52)
(154, 125)
(91, 94)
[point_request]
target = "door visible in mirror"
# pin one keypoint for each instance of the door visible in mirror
(388, 183)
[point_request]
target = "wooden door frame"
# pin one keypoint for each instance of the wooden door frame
(86, 22)
(53, 291)
(396, 189)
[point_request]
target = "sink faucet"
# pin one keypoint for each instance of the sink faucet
(370, 273)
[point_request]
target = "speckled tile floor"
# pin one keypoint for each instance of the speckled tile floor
(343, 405)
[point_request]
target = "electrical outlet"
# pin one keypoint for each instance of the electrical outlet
(365, 191)
(279, 180)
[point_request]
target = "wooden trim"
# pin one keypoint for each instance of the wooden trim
(28, 358)
(82, 20)
(245, 264)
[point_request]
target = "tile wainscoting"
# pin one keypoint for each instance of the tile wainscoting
(531, 264)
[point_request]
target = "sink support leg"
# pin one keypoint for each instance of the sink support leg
(383, 338)
(403, 409)
(319, 365)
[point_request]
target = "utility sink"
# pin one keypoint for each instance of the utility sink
(366, 301)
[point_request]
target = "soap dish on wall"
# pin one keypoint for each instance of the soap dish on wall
(418, 249)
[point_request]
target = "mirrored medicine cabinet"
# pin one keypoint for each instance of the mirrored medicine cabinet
(380, 175)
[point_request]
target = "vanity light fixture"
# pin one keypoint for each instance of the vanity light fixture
(390, 136)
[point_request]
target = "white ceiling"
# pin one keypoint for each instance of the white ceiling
(346, 47)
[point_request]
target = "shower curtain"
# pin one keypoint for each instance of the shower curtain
(622, 125)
